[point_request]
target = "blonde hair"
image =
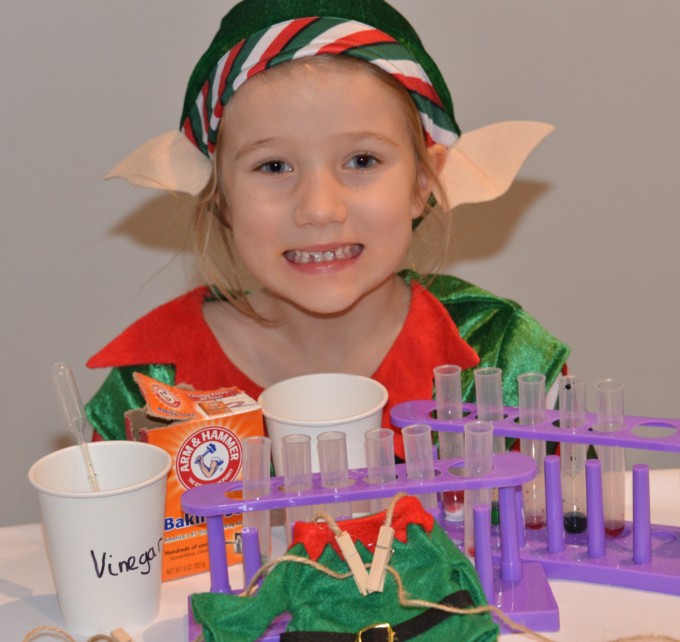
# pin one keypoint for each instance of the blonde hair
(213, 241)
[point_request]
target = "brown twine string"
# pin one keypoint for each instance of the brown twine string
(390, 509)
(51, 631)
(404, 600)
(61, 634)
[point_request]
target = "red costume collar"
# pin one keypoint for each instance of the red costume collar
(176, 334)
(315, 536)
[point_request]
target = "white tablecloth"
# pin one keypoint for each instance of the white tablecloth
(588, 612)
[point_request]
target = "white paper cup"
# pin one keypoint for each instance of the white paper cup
(312, 404)
(105, 548)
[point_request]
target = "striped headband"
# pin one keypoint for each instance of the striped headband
(258, 34)
(304, 37)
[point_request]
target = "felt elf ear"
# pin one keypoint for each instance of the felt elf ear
(479, 167)
(482, 163)
(169, 162)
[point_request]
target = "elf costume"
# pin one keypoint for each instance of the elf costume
(323, 608)
(449, 321)
(452, 322)
(173, 344)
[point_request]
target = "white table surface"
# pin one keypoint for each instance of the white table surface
(588, 612)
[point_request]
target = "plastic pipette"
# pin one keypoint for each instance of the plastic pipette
(73, 413)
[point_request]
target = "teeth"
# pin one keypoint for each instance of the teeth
(341, 253)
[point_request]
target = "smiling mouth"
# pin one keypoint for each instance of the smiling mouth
(338, 254)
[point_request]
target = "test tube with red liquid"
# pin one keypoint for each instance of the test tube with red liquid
(531, 387)
(610, 419)
(449, 403)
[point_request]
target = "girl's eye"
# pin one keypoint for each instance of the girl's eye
(275, 167)
(362, 161)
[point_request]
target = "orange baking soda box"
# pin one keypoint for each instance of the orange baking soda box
(203, 432)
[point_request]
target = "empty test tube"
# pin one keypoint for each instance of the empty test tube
(489, 396)
(531, 387)
(572, 395)
(610, 419)
(257, 453)
(332, 450)
(420, 459)
(380, 465)
(297, 477)
(478, 462)
(449, 403)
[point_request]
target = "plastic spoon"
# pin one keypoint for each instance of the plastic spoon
(73, 413)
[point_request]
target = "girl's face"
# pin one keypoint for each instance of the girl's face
(321, 183)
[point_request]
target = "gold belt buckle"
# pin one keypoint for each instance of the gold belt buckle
(383, 625)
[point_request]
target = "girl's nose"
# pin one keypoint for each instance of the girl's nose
(320, 199)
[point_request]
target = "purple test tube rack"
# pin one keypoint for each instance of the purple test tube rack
(519, 588)
(644, 556)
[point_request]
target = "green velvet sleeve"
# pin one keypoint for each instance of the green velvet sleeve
(500, 331)
(118, 394)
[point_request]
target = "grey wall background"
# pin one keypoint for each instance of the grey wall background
(587, 238)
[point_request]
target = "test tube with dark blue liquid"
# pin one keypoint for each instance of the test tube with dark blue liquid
(572, 395)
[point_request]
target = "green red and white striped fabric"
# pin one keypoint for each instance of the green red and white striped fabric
(304, 37)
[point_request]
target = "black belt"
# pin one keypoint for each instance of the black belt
(384, 632)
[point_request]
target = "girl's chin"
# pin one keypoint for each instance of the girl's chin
(322, 300)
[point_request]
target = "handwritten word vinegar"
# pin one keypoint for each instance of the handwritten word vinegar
(104, 564)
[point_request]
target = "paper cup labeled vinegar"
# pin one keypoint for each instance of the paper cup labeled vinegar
(105, 547)
(316, 403)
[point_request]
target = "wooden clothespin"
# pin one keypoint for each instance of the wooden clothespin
(381, 558)
(354, 561)
(121, 635)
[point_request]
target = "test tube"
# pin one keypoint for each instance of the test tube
(572, 395)
(255, 475)
(332, 450)
(420, 459)
(531, 387)
(449, 403)
(297, 477)
(478, 462)
(610, 419)
(380, 463)
(489, 395)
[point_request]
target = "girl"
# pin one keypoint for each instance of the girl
(316, 136)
